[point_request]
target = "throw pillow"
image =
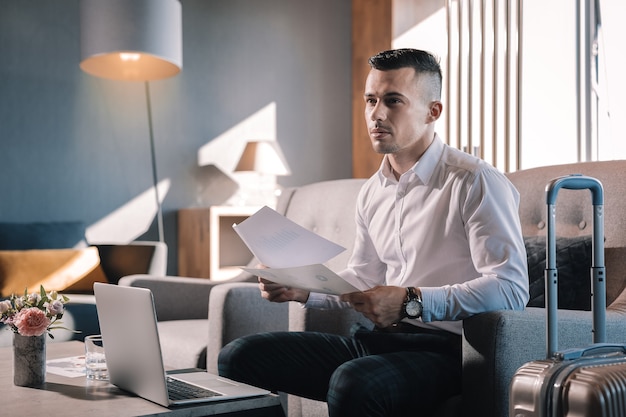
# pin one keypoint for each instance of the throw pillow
(67, 270)
(573, 263)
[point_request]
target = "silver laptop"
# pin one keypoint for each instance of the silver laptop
(133, 353)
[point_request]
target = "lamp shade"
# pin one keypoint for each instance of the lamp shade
(133, 40)
(264, 157)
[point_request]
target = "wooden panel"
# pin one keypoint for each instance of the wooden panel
(371, 33)
(193, 243)
(208, 247)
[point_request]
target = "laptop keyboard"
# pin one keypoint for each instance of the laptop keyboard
(181, 390)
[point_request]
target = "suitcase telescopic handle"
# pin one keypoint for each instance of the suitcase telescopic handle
(576, 182)
(596, 349)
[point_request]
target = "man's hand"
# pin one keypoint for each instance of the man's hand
(279, 293)
(381, 304)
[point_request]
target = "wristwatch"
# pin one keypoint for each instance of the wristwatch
(413, 306)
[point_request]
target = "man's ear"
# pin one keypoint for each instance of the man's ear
(435, 110)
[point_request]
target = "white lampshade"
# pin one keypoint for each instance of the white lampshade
(133, 40)
(264, 157)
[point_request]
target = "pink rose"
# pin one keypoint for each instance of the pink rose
(31, 322)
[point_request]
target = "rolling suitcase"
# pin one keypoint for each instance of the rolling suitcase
(585, 382)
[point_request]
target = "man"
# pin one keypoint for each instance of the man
(438, 240)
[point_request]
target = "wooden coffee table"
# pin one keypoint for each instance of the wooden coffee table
(79, 397)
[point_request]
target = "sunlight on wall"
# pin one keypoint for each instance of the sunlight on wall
(130, 221)
(429, 35)
(612, 89)
(225, 150)
(421, 36)
(549, 106)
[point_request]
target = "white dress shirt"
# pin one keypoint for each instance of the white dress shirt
(450, 226)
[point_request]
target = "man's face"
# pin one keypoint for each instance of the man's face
(397, 113)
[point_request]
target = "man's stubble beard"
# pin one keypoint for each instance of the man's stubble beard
(385, 148)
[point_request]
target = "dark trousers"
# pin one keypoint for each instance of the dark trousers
(372, 373)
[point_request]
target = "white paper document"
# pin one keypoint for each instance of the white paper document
(71, 367)
(316, 278)
(293, 254)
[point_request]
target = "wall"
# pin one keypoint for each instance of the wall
(74, 147)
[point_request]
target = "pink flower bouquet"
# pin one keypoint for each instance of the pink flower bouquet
(33, 314)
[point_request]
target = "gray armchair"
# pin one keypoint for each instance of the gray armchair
(495, 344)
(183, 305)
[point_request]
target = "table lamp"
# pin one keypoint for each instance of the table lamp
(265, 158)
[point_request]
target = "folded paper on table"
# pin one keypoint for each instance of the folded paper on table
(293, 254)
(314, 278)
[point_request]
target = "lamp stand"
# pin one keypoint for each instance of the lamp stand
(155, 179)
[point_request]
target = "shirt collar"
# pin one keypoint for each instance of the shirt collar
(423, 169)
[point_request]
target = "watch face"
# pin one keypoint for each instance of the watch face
(413, 308)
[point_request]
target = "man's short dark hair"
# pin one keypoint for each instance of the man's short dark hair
(421, 61)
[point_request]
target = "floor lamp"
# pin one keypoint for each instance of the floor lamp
(133, 40)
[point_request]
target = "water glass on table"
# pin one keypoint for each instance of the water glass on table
(95, 362)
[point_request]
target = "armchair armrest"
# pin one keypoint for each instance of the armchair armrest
(336, 321)
(237, 309)
(496, 344)
(175, 298)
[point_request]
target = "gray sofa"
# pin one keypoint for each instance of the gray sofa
(116, 260)
(495, 344)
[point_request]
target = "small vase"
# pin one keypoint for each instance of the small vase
(29, 360)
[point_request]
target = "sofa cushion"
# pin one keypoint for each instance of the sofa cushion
(42, 235)
(573, 263)
(68, 270)
(184, 343)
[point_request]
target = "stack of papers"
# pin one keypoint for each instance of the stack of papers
(293, 255)
(71, 367)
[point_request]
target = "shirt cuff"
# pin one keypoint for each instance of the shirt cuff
(315, 300)
(434, 303)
